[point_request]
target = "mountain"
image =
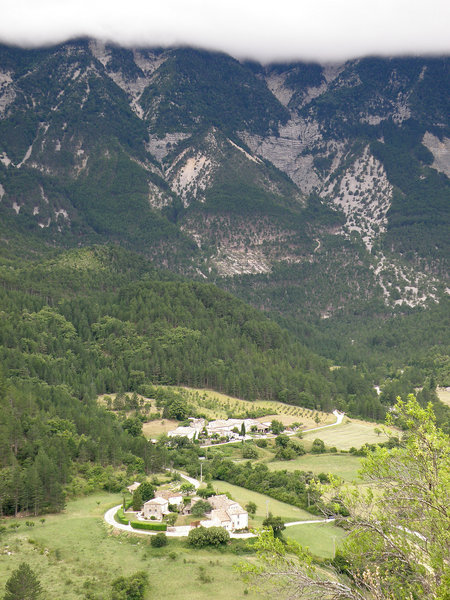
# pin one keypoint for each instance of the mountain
(319, 193)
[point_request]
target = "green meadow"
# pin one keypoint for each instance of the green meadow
(344, 466)
(264, 504)
(322, 539)
(77, 555)
(350, 433)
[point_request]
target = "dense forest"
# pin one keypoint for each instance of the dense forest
(79, 323)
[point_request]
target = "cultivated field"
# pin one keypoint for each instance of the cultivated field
(214, 405)
(76, 555)
(351, 433)
(219, 406)
(342, 465)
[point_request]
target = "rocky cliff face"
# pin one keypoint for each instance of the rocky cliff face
(222, 169)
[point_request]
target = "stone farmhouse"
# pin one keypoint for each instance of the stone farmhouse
(224, 428)
(158, 506)
(133, 487)
(195, 427)
(226, 513)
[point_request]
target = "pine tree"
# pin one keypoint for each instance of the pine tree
(23, 584)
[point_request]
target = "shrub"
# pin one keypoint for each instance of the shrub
(286, 454)
(130, 588)
(206, 492)
(171, 518)
(203, 577)
(249, 451)
(211, 536)
(120, 517)
(149, 526)
(251, 508)
(159, 540)
(261, 443)
(200, 508)
(318, 446)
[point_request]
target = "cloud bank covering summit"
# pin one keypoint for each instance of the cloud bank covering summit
(266, 31)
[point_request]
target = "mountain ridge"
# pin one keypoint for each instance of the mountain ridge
(226, 170)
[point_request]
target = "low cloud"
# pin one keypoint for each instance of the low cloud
(263, 30)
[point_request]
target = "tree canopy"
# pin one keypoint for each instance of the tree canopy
(399, 526)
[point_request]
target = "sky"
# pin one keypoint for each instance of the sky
(264, 30)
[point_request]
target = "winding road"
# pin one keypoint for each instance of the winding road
(183, 531)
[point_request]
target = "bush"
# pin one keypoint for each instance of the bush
(261, 443)
(318, 446)
(200, 508)
(206, 492)
(120, 517)
(149, 526)
(159, 540)
(249, 451)
(211, 536)
(130, 588)
(286, 454)
(277, 427)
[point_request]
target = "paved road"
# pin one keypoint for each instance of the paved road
(183, 531)
(309, 522)
(195, 482)
(339, 418)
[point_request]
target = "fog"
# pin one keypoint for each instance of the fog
(327, 30)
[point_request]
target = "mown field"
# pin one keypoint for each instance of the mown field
(351, 433)
(77, 555)
(263, 503)
(342, 465)
(444, 395)
(322, 539)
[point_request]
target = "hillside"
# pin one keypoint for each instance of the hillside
(312, 191)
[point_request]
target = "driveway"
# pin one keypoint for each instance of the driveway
(184, 530)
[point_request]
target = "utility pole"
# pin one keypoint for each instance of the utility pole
(201, 459)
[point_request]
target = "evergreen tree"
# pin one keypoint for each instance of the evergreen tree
(137, 499)
(23, 584)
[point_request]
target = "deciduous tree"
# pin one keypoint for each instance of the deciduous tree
(399, 536)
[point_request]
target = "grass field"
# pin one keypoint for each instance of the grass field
(322, 539)
(343, 465)
(444, 395)
(264, 504)
(76, 554)
(152, 429)
(351, 433)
